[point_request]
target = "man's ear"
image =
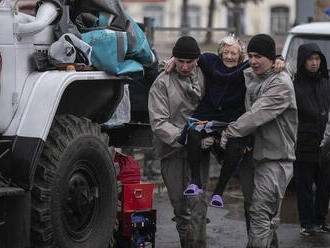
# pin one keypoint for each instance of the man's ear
(241, 58)
(196, 61)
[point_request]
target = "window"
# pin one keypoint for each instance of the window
(155, 12)
(193, 16)
(279, 20)
(193, 19)
(235, 19)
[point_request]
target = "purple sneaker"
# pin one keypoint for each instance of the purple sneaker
(216, 201)
(192, 190)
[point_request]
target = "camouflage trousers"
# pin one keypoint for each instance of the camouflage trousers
(189, 212)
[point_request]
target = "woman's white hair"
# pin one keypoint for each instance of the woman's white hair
(232, 40)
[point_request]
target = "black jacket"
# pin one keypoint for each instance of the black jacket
(224, 90)
(313, 100)
(139, 91)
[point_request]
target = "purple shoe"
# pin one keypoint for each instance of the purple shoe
(216, 201)
(192, 190)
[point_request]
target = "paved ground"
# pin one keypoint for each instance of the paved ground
(227, 227)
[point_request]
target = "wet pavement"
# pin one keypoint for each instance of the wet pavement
(227, 226)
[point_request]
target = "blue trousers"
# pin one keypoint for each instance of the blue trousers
(312, 209)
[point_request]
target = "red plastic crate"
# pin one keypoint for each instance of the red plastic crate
(136, 196)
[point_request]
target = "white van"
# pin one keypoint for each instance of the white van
(317, 32)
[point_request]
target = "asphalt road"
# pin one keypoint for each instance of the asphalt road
(227, 226)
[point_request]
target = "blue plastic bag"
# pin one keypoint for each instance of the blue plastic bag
(120, 52)
(109, 50)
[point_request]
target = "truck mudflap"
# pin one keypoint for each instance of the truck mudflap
(18, 159)
(14, 216)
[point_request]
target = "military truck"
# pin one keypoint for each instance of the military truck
(57, 178)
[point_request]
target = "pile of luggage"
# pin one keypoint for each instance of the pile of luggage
(99, 34)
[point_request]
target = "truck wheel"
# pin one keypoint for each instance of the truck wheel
(74, 196)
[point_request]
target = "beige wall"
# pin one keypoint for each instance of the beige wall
(257, 17)
(172, 17)
(172, 11)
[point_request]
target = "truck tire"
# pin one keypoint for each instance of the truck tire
(74, 197)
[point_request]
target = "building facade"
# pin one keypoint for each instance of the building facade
(268, 16)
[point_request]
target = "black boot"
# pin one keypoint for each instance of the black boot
(183, 243)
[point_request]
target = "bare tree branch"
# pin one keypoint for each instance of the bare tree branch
(184, 23)
(208, 37)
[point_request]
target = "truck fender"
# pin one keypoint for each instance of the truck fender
(94, 95)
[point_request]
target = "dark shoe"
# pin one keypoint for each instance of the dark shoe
(183, 243)
(323, 229)
(192, 190)
(307, 231)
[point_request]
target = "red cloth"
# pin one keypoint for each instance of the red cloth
(129, 169)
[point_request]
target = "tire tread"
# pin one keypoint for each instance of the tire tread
(64, 129)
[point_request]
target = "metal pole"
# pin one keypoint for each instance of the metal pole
(150, 29)
(184, 23)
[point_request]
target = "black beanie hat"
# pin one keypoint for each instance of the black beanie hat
(186, 47)
(264, 45)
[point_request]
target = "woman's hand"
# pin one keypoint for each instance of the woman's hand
(224, 140)
(169, 65)
(279, 65)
